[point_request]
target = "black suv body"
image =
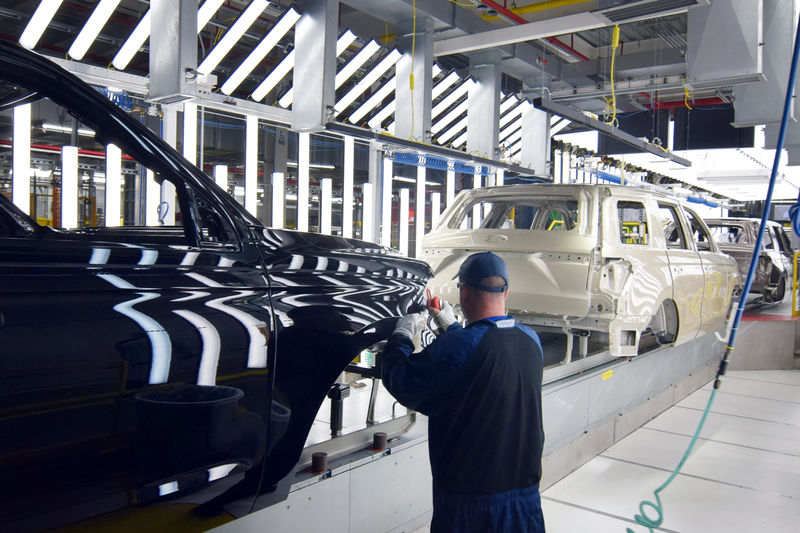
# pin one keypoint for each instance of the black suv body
(180, 364)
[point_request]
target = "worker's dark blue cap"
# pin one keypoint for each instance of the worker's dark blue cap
(480, 266)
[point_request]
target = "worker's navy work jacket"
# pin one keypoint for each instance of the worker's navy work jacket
(480, 386)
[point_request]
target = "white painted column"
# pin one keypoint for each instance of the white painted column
(386, 204)
(347, 186)
(251, 164)
(303, 164)
(152, 199)
(221, 176)
(190, 132)
(278, 192)
(367, 213)
(113, 212)
(69, 187)
(450, 189)
(21, 159)
(499, 177)
(419, 212)
(476, 209)
(403, 222)
(436, 201)
(170, 131)
(325, 201)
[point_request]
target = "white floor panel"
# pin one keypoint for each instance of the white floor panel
(786, 377)
(736, 465)
(772, 436)
(559, 516)
(758, 389)
(689, 504)
(745, 406)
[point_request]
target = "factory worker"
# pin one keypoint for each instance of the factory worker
(480, 386)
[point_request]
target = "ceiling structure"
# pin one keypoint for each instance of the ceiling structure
(559, 49)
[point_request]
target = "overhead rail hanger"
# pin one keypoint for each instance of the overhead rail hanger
(576, 116)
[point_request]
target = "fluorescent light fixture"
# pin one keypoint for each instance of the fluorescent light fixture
(443, 85)
(449, 134)
(383, 114)
(360, 58)
(207, 11)
(221, 176)
(419, 212)
(450, 189)
(460, 140)
(92, 28)
(342, 44)
(277, 199)
(511, 115)
(274, 77)
(232, 36)
(386, 203)
(476, 209)
(436, 207)
(69, 187)
(368, 79)
(39, 21)
(454, 113)
(260, 52)
(142, 31)
(113, 185)
(190, 132)
(451, 98)
(513, 138)
(508, 103)
(403, 222)
(367, 213)
(374, 100)
(152, 192)
(347, 186)
(563, 123)
(67, 129)
(303, 157)
(499, 177)
(407, 180)
(505, 133)
(134, 42)
(323, 166)
(325, 206)
(21, 158)
(435, 70)
(251, 164)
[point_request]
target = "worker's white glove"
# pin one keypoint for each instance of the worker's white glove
(411, 325)
(445, 316)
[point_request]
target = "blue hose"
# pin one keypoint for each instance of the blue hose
(642, 519)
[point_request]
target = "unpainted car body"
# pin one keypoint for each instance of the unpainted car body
(736, 236)
(590, 258)
(152, 365)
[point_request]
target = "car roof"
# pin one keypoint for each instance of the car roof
(535, 189)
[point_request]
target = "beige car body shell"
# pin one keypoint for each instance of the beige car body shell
(587, 278)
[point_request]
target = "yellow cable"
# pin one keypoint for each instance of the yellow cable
(614, 44)
(411, 76)
(685, 94)
(462, 4)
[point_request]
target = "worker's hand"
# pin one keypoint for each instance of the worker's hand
(445, 316)
(411, 325)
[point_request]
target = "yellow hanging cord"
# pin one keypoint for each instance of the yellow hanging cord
(614, 45)
(686, 94)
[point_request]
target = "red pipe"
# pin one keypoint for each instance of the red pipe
(52, 148)
(655, 103)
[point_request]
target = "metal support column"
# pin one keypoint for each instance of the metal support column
(173, 50)
(483, 115)
(415, 121)
(535, 139)
(315, 64)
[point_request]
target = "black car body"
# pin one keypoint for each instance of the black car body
(737, 237)
(142, 365)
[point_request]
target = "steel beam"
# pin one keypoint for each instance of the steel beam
(576, 116)
(521, 33)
